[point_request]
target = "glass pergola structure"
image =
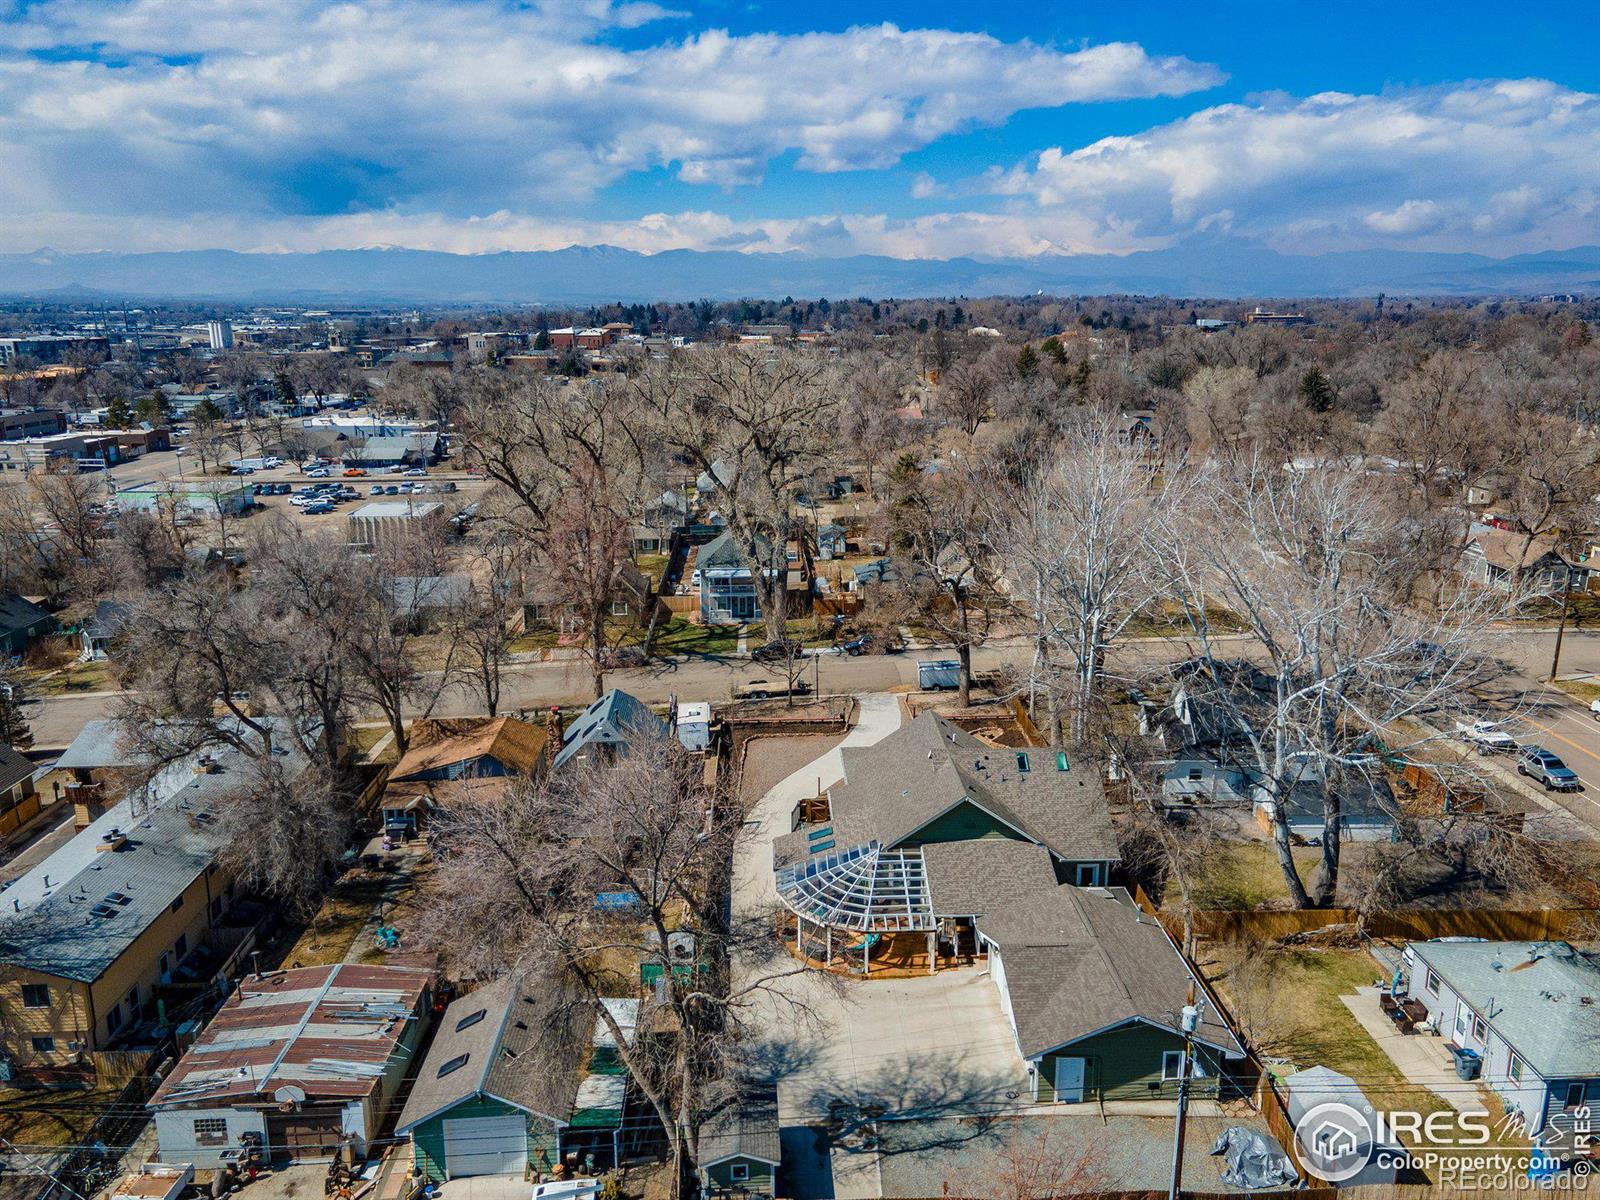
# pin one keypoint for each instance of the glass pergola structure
(862, 889)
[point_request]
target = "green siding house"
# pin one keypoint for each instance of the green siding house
(1094, 992)
(21, 621)
(516, 1081)
(739, 1145)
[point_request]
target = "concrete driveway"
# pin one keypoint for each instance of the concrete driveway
(927, 1047)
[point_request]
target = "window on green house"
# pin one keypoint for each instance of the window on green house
(1061, 761)
(1022, 762)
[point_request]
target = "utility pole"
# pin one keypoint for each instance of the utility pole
(1191, 1022)
(1561, 627)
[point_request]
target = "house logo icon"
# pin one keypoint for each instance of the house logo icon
(1334, 1141)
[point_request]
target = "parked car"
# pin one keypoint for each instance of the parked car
(354, 472)
(1594, 709)
(1538, 763)
(318, 473)
(12, 693)
(766, 689)
(317, 507)
(392, 490)
(406, 488)
(281, 489)
(872, 643)
(416, 472)
(625, 656)
(1487, 736)
(775, 651)
(242, 471)
(376, 490)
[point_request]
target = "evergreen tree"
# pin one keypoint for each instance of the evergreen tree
(1316, 391)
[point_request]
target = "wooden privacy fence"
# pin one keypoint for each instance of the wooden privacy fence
(1415, 925)
(1418, 925)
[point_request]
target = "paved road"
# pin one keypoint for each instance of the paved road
(1541, 713)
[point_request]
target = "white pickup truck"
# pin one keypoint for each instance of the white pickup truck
(1487, 736)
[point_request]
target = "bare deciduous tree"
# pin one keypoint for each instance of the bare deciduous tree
(516, 893)
(1313, 563)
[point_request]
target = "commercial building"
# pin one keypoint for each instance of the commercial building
(201, 497)
(48, 349)
(220, 334)
(372, 524)
(16, 423)
(92, 933)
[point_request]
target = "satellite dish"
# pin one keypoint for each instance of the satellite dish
(289, 1094)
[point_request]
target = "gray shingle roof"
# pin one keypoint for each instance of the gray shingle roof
(412, 593)
(527, 1050)
(746, 1127)
(1080, 960)
(611, 720)
(17, 614)
(98, 744)
(14, 768)
(977, 878)
(928, 767)
(1541, 997)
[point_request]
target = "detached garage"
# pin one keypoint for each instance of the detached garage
(499, 1083)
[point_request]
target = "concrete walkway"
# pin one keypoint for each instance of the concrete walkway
(1420, 1057)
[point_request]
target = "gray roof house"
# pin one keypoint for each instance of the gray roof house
(499, 1082)
(739, 1144)
(607, 726)
(20, 622)
(1093, 990)
(122, 906)
(932, 831)
(1530, 1010)
(417, 448)
(417, 594)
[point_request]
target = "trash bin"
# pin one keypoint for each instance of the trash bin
(1468, 1062)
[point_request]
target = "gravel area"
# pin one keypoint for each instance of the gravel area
(769, 760)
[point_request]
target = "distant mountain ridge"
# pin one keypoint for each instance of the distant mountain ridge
(1219, 269)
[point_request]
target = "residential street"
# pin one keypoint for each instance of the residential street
(1542, 713)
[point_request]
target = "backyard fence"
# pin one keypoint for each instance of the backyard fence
(1418, 925)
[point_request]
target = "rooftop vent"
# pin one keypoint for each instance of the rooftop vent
(114, 839)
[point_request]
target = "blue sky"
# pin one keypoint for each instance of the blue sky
(930, 131)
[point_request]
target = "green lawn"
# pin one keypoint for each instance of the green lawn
(679, 636)
(653, 565)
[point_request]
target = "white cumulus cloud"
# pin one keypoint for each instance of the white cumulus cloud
(1497, 165)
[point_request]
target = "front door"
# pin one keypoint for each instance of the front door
(1069, 1080)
